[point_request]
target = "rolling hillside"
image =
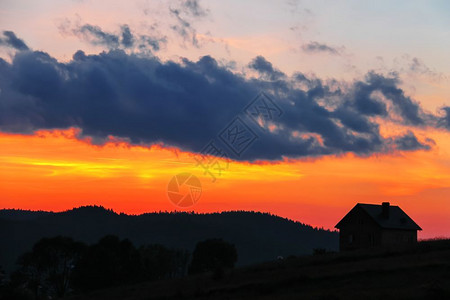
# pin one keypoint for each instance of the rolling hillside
(258, 237)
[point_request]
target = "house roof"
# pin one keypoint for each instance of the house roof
(397, 219)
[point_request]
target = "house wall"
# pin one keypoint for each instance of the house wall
(359, 231)
(394, 237)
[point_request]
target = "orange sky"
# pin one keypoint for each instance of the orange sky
(53, 170)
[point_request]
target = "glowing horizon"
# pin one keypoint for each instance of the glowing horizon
(56, 171)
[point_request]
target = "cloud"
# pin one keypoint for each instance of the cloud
(123, 39)
(185, 13)
(316, 47)
(96, 36)
(444, 121)
(265, 68)
(409, 142)
(11, 40)
(194, 8)
(184, 28)
(411, 67)
(415, 66)
(127, 37)
(186, 104)
(409, 110)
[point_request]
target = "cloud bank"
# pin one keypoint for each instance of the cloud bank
(186, 104)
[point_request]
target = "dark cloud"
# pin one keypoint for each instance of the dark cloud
(124, 39)
(96, 36)
(11, 40)
(194, 8)
(445, 120)
(184, 28)
(409, 142)
(316, 47)
(185, 13)
(265, 68)
(127, 37)
(187, 104)
(152, 42)
(364, 101)
(410, 111)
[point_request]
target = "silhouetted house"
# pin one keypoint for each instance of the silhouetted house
(370, 226)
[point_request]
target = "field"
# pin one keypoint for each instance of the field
(420, 273)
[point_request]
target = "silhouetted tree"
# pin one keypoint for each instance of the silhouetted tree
(156, 261)
(212, 255)
(2, 276)
(109, 262)
(47, 269)
(181, 260)
(159, 262)
(57, 265)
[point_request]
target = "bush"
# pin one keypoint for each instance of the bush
(212, 254)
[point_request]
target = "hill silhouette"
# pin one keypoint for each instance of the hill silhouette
(258, 237)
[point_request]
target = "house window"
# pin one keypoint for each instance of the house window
(350, 239)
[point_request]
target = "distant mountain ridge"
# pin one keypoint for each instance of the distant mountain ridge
(20, 214)
(258, 236)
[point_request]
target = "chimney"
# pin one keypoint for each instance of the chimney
(385, 210)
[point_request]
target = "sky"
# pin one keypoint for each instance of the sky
(297, 108)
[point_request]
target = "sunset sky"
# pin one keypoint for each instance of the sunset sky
(104, 102)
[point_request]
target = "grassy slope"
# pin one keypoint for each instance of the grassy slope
(420, 274)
